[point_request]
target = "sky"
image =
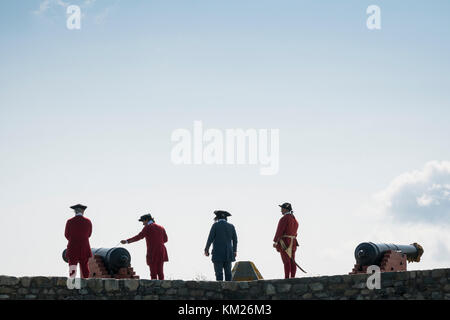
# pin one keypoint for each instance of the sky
(87, 116)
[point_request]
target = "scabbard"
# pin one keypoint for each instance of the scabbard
(285, 249)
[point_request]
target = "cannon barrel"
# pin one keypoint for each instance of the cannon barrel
(113, 258)
(369, 253)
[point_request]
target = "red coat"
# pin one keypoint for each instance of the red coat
(78, 230)
(155, 236)
(287, 225)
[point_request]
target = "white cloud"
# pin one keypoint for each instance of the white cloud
(102, 16)
(420, 195)
(45, 5)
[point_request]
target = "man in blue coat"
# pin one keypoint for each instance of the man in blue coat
(224, 240)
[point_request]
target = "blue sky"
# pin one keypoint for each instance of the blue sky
(87, 115)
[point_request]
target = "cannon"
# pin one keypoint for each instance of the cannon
(389, 257)
(109, 263)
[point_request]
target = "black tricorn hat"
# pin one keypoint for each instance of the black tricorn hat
(78, 206)
(222, 213)
(146, 217)
(286, 205)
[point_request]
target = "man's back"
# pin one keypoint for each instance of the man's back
(156, 234)
(224, 239)
(155, 237)
(78, 230)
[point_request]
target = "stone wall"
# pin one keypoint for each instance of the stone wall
(428, 284)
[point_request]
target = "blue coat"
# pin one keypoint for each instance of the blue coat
(224, 240)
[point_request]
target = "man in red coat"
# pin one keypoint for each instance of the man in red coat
(285, 240)
(155, 236)
(78, 230)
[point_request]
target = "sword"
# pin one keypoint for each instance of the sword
(283, 246)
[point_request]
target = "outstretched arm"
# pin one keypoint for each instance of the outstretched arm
(138, 237)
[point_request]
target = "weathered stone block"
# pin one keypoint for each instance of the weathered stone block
(197, 293)
(360, 285)
(230, 285)
(316, 286)
(41, 282)
(283, 288)
(365, 292)
(299, 288)
(177, 283)
(321, 295)
(96, 285)
(402, 275)
(146, 283)
(22, 291)
(171, 291)
(350, 292)
(358, 278)
(62, 292)
(25, 282)
(347, 278)
(438, 273)
(270, 289)
(131, 284)
(83, 291)
(436, 295)
(244, 285)
(338, 286)
(61, 282)
(183, 292)
(388, 276)
(335, 279)
(111, 285)
(307, 296)
(192, 284)
(8, 281)
(7, 290)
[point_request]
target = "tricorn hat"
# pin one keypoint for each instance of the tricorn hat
(286, 205)
(78, 206)
(222, 213)
(146, 217)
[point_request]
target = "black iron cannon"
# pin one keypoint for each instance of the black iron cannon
(388, 257)
(113, 258)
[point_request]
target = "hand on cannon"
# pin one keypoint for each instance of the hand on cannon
(206, 253)
(123, 241)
